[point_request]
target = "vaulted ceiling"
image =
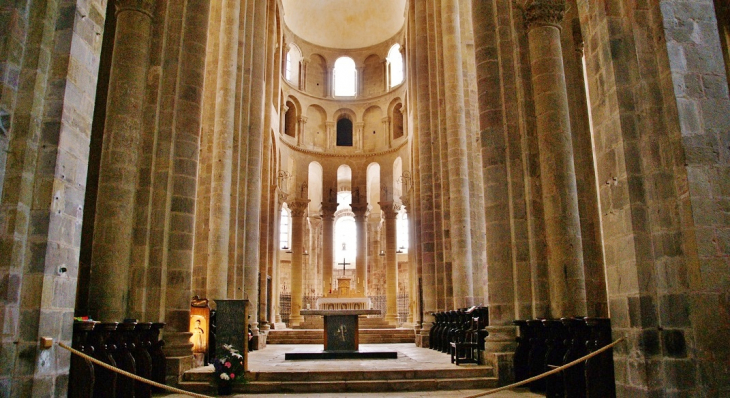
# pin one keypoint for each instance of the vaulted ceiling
(344, 23)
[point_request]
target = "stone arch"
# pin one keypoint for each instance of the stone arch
(291, 116)
(315, 187)
(317, 76)
(395, 111)
(374, 135)
(315, 132)
(372, 79)
(373, 185)
(292, 64)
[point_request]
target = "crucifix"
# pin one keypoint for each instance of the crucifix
(343, 263)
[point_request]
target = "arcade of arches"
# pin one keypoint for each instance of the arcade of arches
(545, 158)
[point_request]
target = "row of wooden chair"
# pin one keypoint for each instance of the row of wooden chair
(545, 344)
(130, 345)
(460, 333)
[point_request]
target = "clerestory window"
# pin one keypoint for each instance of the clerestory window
(345, 77)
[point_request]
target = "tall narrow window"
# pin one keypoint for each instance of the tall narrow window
(344, 132)
(395, 62)
(291, 69)
(284, 226)
(345, 76)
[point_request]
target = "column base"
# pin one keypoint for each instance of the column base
(499, 352)
(391, 319)
(263, 334)
(295, 320)
(176, 366)
(177, 344)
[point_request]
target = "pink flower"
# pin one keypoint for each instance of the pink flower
(228, 364)
(233, 376)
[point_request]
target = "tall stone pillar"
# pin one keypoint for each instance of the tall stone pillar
(361, 218)
(276, 278)
(426, 171)
(328, 237)
(220, 197)
(458, 160)
(118, 175)
(298, 209)
(390, 211)
(557, 171)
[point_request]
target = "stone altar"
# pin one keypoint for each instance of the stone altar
(341, 337)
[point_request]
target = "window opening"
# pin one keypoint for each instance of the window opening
(345, 76)
(344, 132)
(395, 62)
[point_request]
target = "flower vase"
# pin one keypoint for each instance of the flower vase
(225, 387)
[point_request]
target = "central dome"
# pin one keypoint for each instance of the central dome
(345, 24)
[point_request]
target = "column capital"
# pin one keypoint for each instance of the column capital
(389, 208)
(544, 13)
(282, 196)
(328, 210)
(361, 211)
(143, 6)
(298, 207)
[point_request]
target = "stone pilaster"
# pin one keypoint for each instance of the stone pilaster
(557, 170)
(386, 130)
(220, 198)
(331, 134)
(301, 126)
(361, 260)
(328, 236)
(119, 161)
(390, 211)
(298, 209)
(358, 135)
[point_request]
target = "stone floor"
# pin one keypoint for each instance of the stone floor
(271, 359)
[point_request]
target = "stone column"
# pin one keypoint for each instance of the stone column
(303, 74)
(329, 87)
(360, 82)
(386, 129)
(328, 236)
(390, 211)
(412, 274)
(361, 218)
(220, 197)
(458, 159)
(426, 171)
(358, 133)
(331, 139)
(298, 209)
(282, 118)
(386, 75)
(301, 125)
(118, 175)
(557, 171)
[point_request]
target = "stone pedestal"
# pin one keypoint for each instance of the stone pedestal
(232, 326)
(499, 351)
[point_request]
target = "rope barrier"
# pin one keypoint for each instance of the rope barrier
(551, 372)
(132, 375)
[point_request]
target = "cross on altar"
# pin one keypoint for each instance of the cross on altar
(343, 263)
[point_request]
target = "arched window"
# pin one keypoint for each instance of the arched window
(395, 62)
(291, 69)
(397, 121)
(344, 132)
(284, 229)
(345, 76)
(401, 227)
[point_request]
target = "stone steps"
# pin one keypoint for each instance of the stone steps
(477, 377)
(316, 336)
(364, 323)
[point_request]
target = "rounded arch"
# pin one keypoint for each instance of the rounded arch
(345, 77)
(395, 66)
(373, 185)
(293, 110)
(344, 123)
(292, 64)
(315, 187)
(344, 178)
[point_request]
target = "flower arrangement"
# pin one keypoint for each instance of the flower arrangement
(229, 367)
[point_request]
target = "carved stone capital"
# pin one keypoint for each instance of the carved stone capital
(282, 196)
(544, 13)
(390, 209)
(143, 6)
(298, 207)
(328, 210)
(361, 211)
